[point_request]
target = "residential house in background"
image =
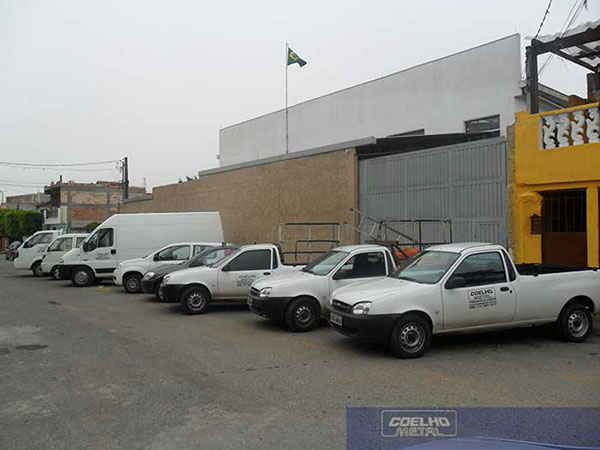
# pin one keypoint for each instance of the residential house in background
(74, 205)
(28, 202)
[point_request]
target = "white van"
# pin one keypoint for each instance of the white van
(55, 251)
(29, 255)
(128, 236)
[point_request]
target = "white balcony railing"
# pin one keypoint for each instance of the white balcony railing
(568, 128)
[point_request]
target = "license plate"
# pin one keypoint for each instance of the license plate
(250, 301)
(336, 319)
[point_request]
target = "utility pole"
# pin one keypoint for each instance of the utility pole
(125, 178)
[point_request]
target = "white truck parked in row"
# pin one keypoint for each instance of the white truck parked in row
(299, 298)
(226, 279)
(129, 273)
(29, 255)
(57, 249)
(127, 236)
(468, 287)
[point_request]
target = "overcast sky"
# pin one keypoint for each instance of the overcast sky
(84, 81)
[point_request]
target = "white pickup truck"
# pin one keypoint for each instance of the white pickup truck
(226, 279)
(466, 287)
(299, 298)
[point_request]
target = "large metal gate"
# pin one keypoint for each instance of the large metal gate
(465, 183)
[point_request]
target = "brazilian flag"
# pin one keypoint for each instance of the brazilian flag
(293, 58)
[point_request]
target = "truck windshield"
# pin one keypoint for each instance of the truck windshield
(326, 263)
(427, 267)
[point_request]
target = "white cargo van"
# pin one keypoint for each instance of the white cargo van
(56, 250)
(29, 255)
(128, 236)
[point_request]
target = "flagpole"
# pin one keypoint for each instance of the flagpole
(287, 52)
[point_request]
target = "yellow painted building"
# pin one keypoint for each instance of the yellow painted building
(556, 186)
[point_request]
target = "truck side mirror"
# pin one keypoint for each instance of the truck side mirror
(456, 282)
(226, 268)
(155, 258)
(340, 275)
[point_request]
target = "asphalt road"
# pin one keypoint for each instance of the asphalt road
(96, 367)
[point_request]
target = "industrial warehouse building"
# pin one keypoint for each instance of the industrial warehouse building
(430, 150)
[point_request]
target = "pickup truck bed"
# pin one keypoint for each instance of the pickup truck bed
(542, 269)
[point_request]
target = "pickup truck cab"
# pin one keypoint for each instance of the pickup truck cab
(226, 279)
(29, 255)
(56, 250)
(299, 298)
(465, 287)
(129, 273)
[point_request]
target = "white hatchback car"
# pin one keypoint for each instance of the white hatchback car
(129, 273)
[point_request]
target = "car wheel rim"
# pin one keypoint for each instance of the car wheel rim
(133, 284)
(578, 324)
(56, 273)
(38, 269)
(303, 315)
(81, 277)
(412, 338)
(195, 300)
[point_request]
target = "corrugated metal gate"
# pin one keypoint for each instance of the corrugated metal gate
(465, 183)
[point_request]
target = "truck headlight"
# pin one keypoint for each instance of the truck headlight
(119, 266)
(148, 275)
(361, 308)
(61, 261)
(265, 292)
(166, 279)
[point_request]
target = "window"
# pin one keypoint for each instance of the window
(274, 262)
(484, 268)
(511, 270)
(427, 267)
(45, 238)
(105, 237)
(61, 245)
(175, 253)
(79, 241)
(252, 260)
(101, 238)
(326, 263)
(491, 123)
(363, 265)
(200, 249)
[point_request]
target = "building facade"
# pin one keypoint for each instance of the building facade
(29, 202)
(476, 90)
(73, 205)
(555, 186)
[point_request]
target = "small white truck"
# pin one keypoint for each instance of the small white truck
(127, 236)
(226, 279)
(29, 255)
(129, 273)
(299, 298)
(467, 287)
(56, 250)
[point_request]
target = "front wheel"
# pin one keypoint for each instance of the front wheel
(575, 323)
(195, 300)
(36, 268)
(132, 283)
(160, 293)
(303, 314)
(55, 273)
(410, 337)
(82, 276)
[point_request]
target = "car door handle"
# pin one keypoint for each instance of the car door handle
(113, 252)
(266, 273)
(504, 289)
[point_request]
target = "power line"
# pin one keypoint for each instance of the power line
(5, 163)
(543, 20)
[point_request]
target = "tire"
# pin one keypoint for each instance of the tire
(160, 296)
(410, 337)
(55, 272)
(132, 283)
(36, 268)
(303, 314)
(83, 276)
(195, 300)
(575, 323)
